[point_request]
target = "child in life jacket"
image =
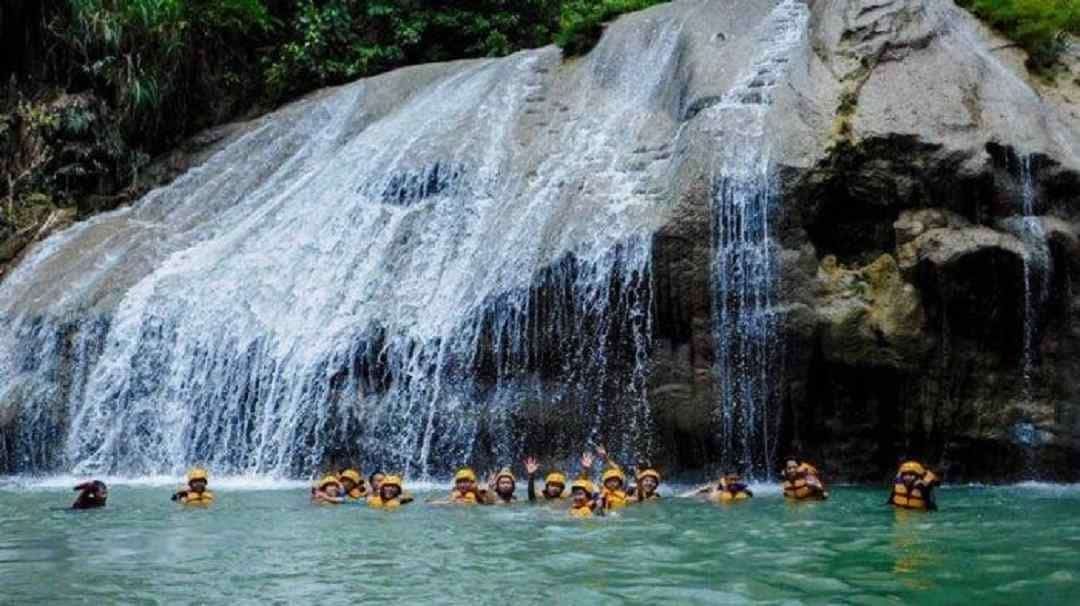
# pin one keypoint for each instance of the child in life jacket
(583, 500)
(913, 487)
(196, 492)
(352, 485)
(501, 488)
(554, 484)
(327, 491)
(802, 482)
(391, 494)
(464, 491)
(612, 481)
(648, 482)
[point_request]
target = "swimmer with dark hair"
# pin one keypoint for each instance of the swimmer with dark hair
(91, 495)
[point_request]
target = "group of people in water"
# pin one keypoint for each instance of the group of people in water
(913, 488)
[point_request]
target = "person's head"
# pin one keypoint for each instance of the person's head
(330, 486)
(375, 480)
(581, 491)
(390, 488)
(554, 485)
(648, 481)
(350, 479)
(94, 491)
(791, 467)
(614, 479)
(505, 483)
(465, 480)
(733, 481)
(910, 472)
(197, 480)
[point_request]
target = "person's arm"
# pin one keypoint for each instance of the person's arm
(693, 492)
(531, 467)
(179, 495)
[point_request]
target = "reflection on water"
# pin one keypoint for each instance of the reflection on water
(991, 545)
(914, 557)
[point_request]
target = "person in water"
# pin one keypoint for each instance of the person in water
(612, 481)
(501, 488)
(92, 495)
(554, 483)
(375, 480)
(196, 492)
(464, 491)
(583, 500)
(802, 482)
(391, 494)
(352, 485)
(729, 488)
(648, 481)
(913, 487)
(328, 491)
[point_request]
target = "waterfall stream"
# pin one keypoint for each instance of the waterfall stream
(744, 273)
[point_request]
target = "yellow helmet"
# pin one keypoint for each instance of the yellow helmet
(505, 473)
(352, 474)
(614, 472)
(464, 474)
(197, 473)
(585, 485)
(328, 480)
(555, 477)
(912, 467)
(392, 480)
(649, 473)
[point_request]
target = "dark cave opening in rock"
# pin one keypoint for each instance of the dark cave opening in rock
(978, 297)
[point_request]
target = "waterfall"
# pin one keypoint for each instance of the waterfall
(444, 264)
(1036, 257)
(744, 273)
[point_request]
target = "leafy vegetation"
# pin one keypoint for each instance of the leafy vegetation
(1041, 27)
(581, 22)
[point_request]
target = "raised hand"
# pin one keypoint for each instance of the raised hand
(586, 460)
(531, 466)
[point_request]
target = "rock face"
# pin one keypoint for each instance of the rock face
(906, 148)
(924, 231)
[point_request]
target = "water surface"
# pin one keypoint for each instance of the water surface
(992, 545)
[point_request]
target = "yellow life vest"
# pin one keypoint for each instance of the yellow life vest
(581, 512)
(194, 498)
(468, 498)
(615, 499)
(726, 496)
(799, 490)
(378, 503)
(913, 499)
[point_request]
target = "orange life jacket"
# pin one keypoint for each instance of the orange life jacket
(915, 498)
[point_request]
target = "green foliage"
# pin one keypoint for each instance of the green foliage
(159, 62)
(1039, 26)
(333, 41)
(582, 21)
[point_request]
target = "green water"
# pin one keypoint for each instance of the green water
(1012, 545)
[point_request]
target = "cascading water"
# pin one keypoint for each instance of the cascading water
(407, 272)
(748, 346)
(1036, 259)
